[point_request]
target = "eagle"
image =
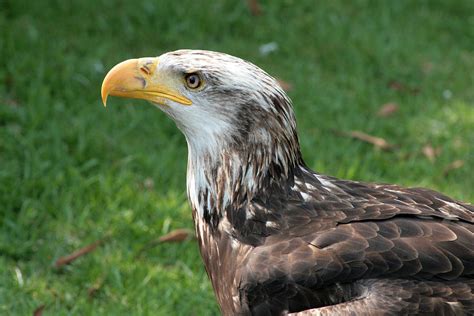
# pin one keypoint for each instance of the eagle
(278, 238)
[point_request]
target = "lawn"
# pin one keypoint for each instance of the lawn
(73, 172)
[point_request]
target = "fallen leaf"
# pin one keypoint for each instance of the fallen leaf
(427, 67)
(254, 7)
(376, 141)
(11, 102)
(447, 94)
(149, 184)
(430, 152)
(77, 254)
(19, 276)
(387, 109)
(286, 86)
(399, 86)
(39, 310)
(458, 143)
(176, 235)
(268, 48)
(456, 164)
(92, 291)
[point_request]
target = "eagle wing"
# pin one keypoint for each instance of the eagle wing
(351, 240)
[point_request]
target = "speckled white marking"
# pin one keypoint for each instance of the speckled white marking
(271, 224)
(327, 184)
(305, 196)
(446, 209)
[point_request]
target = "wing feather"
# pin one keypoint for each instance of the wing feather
(352, 232)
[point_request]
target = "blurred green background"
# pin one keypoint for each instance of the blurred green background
(73, 172)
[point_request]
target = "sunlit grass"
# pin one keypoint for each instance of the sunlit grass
(72, 172)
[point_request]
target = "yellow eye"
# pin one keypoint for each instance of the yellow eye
(193, 81)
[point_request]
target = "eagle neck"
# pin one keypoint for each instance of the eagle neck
(228, 180)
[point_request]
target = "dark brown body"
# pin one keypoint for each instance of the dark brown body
(335, 247)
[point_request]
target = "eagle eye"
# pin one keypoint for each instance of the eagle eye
(193, 80)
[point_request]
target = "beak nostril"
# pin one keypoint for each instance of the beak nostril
(145, 69)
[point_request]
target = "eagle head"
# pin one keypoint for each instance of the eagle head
(217, 100)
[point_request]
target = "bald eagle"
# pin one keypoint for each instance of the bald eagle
(277, 238)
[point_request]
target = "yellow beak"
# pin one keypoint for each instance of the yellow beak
(139, 79)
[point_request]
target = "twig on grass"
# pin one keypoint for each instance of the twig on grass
(456, 164)
(39, 310)
(62, 261)
(254, 7)
(378, 142)
(387, 109)
(177, 235)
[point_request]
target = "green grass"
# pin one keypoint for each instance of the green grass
(72, 172)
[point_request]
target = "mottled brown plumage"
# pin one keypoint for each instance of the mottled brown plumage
(277, 238)
(355, 241)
